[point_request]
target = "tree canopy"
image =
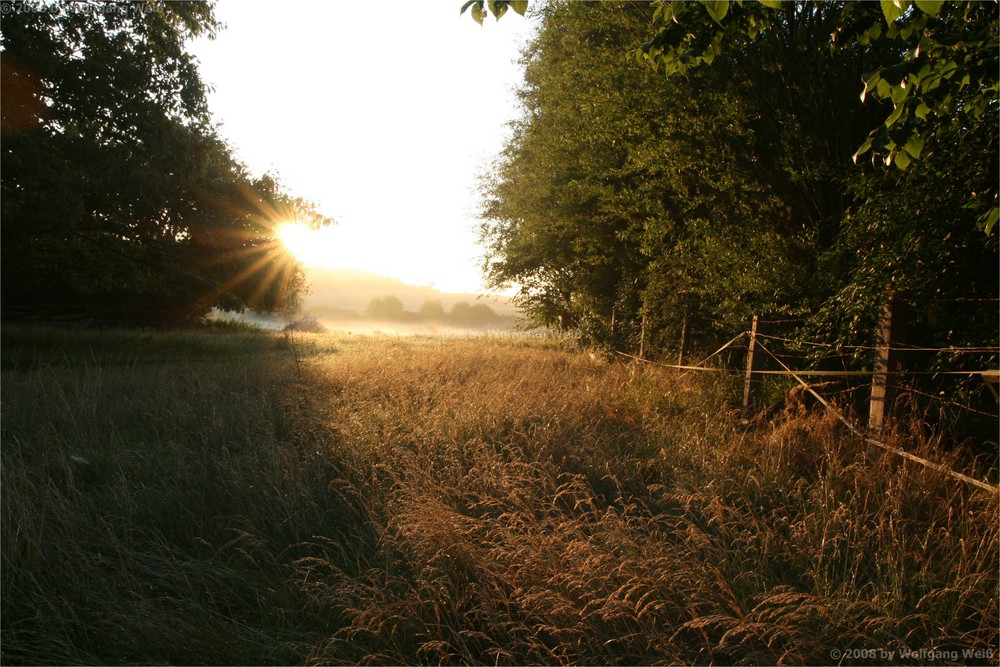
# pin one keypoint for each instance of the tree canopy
(119, 198)
(939, 74)
(640, 208)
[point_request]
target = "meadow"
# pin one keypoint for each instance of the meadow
(237, 497)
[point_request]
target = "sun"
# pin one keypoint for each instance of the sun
(313, 247)
(295, 237)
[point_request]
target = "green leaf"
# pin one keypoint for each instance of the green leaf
(717, 9)
(478, 12)
(991, 220)
(771, 4)
(883, 88)
(948, 69)
(898, 95)
(895, 74)
(894, 116)
(925, 70)
(519, 6)
(931, 7)
(498, 8)
(865, 147)
(664, 13)
(922, 111)
(914, 145)
(892, 9)
(901, 160)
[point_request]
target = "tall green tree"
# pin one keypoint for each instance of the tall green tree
(629, 200)
(629, 203)
(931, 83)
(940, 64)
(119, 199)
(554, 209)
(942, 71)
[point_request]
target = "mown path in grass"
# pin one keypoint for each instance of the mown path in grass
(249, 498)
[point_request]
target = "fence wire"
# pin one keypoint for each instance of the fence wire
(852, 389)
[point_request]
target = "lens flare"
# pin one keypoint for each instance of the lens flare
(296, 238)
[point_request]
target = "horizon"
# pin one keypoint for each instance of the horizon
(353, 289)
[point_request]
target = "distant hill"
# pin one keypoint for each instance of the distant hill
(351, 290)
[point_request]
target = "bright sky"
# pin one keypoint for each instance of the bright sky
(381, 113)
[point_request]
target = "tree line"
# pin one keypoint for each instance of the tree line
(120, 200)
(774, 160)
(390, 309)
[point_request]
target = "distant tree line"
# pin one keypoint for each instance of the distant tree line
(390, 309)
(640, 205)
(119, 198)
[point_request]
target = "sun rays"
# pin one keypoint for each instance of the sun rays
(309, 245)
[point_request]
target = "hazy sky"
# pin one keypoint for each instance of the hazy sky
(381, 113)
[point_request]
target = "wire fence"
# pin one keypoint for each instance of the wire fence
(843, 385)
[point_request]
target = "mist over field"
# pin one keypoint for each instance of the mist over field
(346, 289)
(362, 302)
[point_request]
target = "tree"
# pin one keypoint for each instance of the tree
(651, 205)
(933, 175)
(942, 266)
(942, 71)
(472, 315)
(627, 203)
(388, 308)
(119, 199)
(432, 311)
(554, 209)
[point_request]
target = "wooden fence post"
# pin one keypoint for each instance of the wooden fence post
(888, 359)
(755, 362)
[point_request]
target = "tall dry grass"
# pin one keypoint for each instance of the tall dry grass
(381, 500)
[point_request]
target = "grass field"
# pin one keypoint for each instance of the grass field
(245, 498)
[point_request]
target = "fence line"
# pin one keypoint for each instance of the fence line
(694, 367)
(730, 342)
(677, 366)
(798, 375)
(895, 450)
(850, 373)
(698, 366)
(911, 390)
(902, 347)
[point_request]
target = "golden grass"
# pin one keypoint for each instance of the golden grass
(338, 499)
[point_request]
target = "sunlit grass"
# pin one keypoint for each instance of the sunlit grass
(256, 498)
